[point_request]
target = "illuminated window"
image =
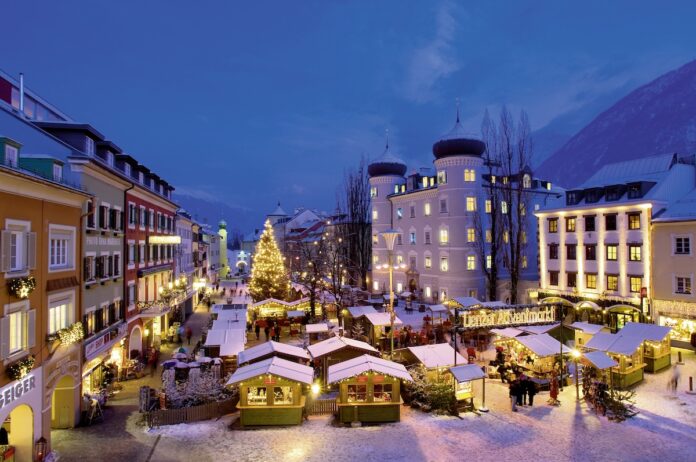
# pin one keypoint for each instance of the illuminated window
(469, 174)
(399, 259)
(428, 262)
(399, 287)
(375, 285)
(634, 253)
(18, 331)
(444, 264)
(399, 213)
(503, 207)
(426, 209)
(373, 191)
(682, 285)
(489, 261)
(375, 239)
(634, 220)
(375, 214)
(256, 396)
(59, 315)
(612, 282)
(553, 225)
(396, 189)
(489, 206)
(425, 182)
(590, 281)
(382, 393)
(635, 282)
(489, 236)
(523, 237)
(492, 179)
(471, 235)
(570, 224)
(428, 291)
(375, 259)
(572, 279)
(444, 236)
(470, 204)
(526, 181)
(523, 209)
(441, 177)
(471, 262)
(506, 237)
(443, 294)
(282, 396)
(505, 180)
(612, 252)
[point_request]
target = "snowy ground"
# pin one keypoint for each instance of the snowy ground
(664, 430)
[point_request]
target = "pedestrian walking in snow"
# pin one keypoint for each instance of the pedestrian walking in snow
(519, 390)
(553, 391)
(674, 380)
(277, 332)
(189, 334)
(513, 395)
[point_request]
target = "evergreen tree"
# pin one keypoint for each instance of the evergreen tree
(269, 278)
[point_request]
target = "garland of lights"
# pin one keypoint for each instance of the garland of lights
(21, 368)
(21, 287)
(68, 335)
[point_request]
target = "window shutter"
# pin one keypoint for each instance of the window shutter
(5, 251)
(31, 250)
(4, 337)
(31, 328)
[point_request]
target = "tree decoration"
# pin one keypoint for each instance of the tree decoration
(21, 368)
(269, 278)
(68, 335)
(22, 287)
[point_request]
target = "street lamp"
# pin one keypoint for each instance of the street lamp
(390, 238)
(576, 355)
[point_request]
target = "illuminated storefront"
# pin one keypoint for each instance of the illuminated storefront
(680, 316)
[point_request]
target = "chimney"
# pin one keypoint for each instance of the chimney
(21, 93)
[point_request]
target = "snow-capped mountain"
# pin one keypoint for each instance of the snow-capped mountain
(657, 118)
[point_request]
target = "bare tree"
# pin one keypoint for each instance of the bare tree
(354, 203)
(311, 252)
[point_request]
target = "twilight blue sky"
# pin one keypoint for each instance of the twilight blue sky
(254, 102)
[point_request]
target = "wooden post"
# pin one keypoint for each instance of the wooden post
(679, 358)
(483, 407)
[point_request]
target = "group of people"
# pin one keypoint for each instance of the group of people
(522, 392)
(270, 331)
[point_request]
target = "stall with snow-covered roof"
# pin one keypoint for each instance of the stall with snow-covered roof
(273, 349)
(225, 344)
(626, 350)
(657, 349)
(535, 354)
(584, 331)
(377, 326)
(334, 350)
(317, 332)
(434, 359)
(369, 389)
(273, 308)
(272, 392)
(354, 315)
(463, 378)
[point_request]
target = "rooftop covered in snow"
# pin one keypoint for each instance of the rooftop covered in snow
(336, 343)
(274, 366)
(271, 347)
(367, 363)
(438, 355)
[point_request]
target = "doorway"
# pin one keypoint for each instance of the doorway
(63, 403)
(20, 431)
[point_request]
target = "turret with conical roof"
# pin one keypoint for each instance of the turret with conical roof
(457, 142)
(387, 164)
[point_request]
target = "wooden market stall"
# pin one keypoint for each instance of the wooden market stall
(272, 392)
(657, 349)
(434, 359)
(377, 325)
(335, 350)
(369, 389)
(270, 349)
(534, 354)
(626, 350)
(225, 344)
(317, 332)
(463, 377)
(355, 313)
(596, 378)
(584, 331)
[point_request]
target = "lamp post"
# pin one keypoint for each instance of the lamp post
(576, 355)
(389, 238)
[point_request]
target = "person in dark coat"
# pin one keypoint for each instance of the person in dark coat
(276, 331)
(519, 391)
(502, 370)
(257, 330)
(266, 331)
(531, 391)
(513, 386)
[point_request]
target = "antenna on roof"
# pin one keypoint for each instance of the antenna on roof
(457, 109)
(386, 133)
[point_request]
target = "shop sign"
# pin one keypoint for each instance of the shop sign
(507, 317)
(15, 390)
(378, 379)
(361, 379)
(270, 381)
(104, 341)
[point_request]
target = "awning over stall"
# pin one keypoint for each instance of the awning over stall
(543, 345)
(650, 332)
(317, 328)
(467, 372)
(508, 332)
(599, 359)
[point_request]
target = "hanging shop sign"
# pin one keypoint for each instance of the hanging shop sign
(105, 341)
(15, 390)
(507, 317)
(164, 239)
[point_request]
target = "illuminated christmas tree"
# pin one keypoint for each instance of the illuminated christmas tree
(268, 276)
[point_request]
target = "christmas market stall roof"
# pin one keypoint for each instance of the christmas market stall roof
(367, 363)
(437, 308)
(275, 301)
(229, 324)
(599, 359)
(336, 343)
(438, 355)
(317, 328)
(296, 314)
(230, 341)
(464, 302)
(382, 319)
(275, 366)
(542, 345)
(271, 347)
(467, 372)
(620, 343)
(587, 327)
(357, 311)
(538, 329)
(232, 315)
(508, 332)
(651, 332)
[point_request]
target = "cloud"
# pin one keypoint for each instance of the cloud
(435, 60)
(297, 188)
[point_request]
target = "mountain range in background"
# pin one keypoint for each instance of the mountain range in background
(657, 118)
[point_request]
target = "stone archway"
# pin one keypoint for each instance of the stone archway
(135, 342)
(63, 403)
(21, 432)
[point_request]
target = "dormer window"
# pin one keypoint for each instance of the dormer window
(526, 181)
(89, 146)
(11, 156)
(141, 178)
(57, 172)
(127, 169)
(110, 158)
(635, 191)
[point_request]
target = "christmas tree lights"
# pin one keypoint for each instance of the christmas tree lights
(269, 278)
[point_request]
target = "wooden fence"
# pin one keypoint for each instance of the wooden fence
(190, 414)
(321, 406)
